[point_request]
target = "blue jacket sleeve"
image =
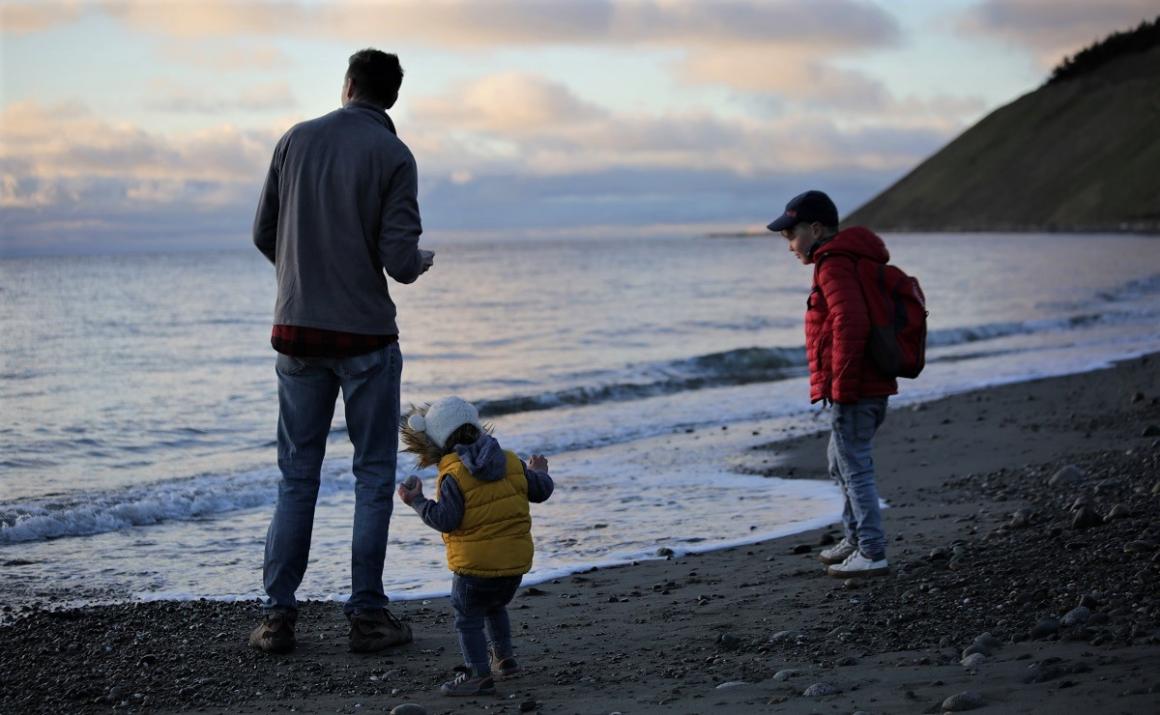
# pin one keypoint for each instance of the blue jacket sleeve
(540, 485)
(444, 514)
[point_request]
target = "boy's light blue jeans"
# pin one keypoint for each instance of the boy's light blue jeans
(307, 391)
(852, 467)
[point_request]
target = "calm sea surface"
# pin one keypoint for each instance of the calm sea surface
(138, 405)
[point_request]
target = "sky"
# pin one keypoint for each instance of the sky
(148, 125)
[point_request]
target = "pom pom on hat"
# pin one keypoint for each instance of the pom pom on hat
(444, 417)
(417, 422)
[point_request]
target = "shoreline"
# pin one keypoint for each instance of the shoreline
(977, 530)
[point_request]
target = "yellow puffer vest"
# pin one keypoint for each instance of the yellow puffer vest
(495, 537)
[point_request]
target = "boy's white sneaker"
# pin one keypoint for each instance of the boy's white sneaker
(837, 553)
(856, 565)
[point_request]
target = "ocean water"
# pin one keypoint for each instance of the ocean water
(138, 402)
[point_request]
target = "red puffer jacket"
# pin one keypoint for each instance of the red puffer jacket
(837, 324)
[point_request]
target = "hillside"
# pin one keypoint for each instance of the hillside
(1078, 154)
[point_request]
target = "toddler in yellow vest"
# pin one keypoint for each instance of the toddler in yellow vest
(481, 508)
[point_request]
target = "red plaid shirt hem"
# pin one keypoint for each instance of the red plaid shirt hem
(301, 341)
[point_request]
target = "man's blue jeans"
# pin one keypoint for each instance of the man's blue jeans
(307, 391)
(478, 602)
(852, 467)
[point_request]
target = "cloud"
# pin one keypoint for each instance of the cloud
(1052, 29)
(455, 24)
(500, 123)
(23, 18)
(227, 57)
(258, 98)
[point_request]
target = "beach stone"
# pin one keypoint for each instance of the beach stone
(940, 553)
(1119, 511)
(974, 660)
(409, 709)
(988, 641)
(731, 684)
(1076, 616)
(785, 636)
(664, 552)
(728, 641)
(1046, 627)
(826, 539)
(801, 548)
(1070, 474)
(528, 706)
(1021, 519)
(966, 700)
(975, 649)
(818, 690)
(1150, 431)
(785, 674)
(1137, 397)
(1085, 518)
(1139, 547)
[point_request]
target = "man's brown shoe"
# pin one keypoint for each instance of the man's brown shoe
(374, 630)
(275, 634)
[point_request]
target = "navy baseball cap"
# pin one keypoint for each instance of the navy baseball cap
(807, 208)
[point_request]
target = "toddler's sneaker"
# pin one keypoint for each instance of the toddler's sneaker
(856, 565)
(837, 553)
(466, 684)
(503, 667)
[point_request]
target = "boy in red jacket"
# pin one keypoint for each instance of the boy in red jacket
(837, 330)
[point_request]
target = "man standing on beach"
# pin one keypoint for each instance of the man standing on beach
(837, 331)
(338, 208)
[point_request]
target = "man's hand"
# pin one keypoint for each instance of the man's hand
(538, 462)
(410, 490)
(427, 260)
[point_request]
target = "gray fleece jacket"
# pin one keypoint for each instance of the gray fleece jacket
(486, 461)
(338, 207)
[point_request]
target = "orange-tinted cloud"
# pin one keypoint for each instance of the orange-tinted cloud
(1053, 29)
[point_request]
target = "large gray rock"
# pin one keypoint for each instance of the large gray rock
(1070, 474)
(973, 661)
(818, 690)
(966, 700)
(409, 709)
(1076, 616)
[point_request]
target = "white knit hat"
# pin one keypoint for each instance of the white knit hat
(444, 417)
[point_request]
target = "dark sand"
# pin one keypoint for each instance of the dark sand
(982, 541)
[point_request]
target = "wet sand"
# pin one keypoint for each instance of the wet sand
(989, 532)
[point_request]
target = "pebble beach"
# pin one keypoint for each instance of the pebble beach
(1025, 553)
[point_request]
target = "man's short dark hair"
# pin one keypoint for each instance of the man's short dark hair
(377, 76)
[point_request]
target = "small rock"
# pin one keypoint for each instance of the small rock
(1119, 511)
(966, 700)
(1045, 628)
(972, 661)
(1138, 397)
(818, 690)
(826, 539)
(939, 554)
(801, 548)
(782, 636)
(1070, 474)
(1020, 519)
(664, 552)
(1086, 518)
(731, 684)
(409, 709)
(1090, 600)
(728, 641)
(1139, 547)
(1076, 616)
(975, 649)
(1150, 431)
(988, 641)
(528, 706)
(785, 674)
